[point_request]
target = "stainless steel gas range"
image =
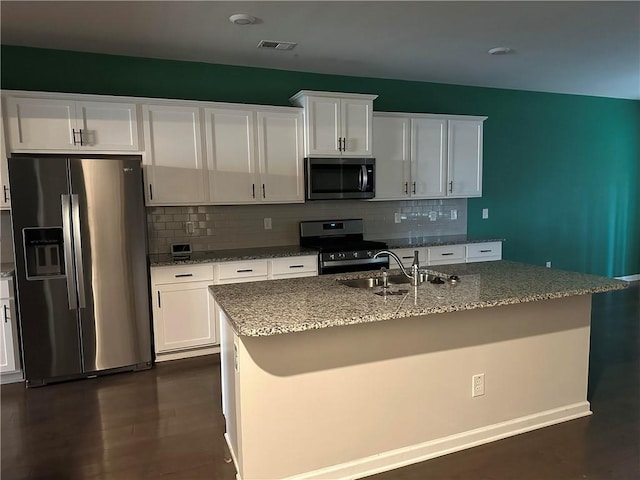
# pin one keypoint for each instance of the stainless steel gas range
(341, 246)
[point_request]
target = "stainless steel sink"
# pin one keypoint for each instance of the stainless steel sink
(373, 282)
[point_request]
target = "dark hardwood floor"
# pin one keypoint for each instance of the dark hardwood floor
(166, 423)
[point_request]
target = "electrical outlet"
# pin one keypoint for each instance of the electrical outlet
(454, 214)
(398, 217)
(433, 216)
(548, 264)
(267, 223)
(485, 213)
(189, 228)
(477, 385)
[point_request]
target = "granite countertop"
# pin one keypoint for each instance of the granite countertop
(432, 241)
(157, 260)
(296, 305)
(6, 270)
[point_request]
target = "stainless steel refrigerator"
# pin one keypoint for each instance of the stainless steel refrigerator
(79, 228)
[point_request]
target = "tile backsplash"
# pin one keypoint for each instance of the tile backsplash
(242, 226)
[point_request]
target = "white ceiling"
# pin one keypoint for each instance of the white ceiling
(587, 48)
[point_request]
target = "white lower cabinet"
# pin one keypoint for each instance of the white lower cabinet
(449, 254)
(407, 255)
(442, 255)
(9, 348)
(184, 311)
(184, 316)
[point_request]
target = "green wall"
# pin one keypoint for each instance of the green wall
(561, 172)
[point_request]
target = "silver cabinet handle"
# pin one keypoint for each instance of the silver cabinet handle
(73, 131)
(344, 144)
(179, 275)
(339, 144)
(414, 187)
(150, 192)
(159, 304)
(253, 190)
(445, 254)
(77, 247)
(6, 316)
(485, 251)
(68, 251)
(451, 186)
(246, 270)
(264, 191)
(296, 266)
(4, 193)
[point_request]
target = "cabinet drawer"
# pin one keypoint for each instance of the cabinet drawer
(406, 255)
(446, 254)
(181, 273)
(294, 266)
(247, 271)
(478, 252)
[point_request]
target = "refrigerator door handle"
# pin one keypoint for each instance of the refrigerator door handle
(77, 248)
(68, 251)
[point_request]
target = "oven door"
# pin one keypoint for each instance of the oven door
(339, 178)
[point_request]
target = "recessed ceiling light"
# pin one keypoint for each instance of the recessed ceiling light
(242, 19)
(500, 51)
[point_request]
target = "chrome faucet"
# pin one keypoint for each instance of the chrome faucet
(415, 266)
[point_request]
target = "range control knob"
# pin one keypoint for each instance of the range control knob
(332, 256)
(341, 255)
(355, 254)
(369, 254)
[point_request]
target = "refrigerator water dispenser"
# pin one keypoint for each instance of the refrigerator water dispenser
(44, 250)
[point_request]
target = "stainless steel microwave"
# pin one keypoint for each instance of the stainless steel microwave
(339, 178)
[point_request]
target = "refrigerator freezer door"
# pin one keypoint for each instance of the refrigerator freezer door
(48, 323)
(109, 215)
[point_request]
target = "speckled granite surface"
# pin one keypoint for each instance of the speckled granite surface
(6, 270)
(436, 241)
(157, 260)
(296, 305)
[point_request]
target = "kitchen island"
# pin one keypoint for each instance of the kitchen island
(321, 380)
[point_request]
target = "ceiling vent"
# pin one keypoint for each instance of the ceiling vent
(270, 44)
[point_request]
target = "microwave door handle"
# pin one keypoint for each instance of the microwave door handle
(364, 178)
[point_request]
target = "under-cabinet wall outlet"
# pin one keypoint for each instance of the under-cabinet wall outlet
(267, 223)
(485, 213)
(398, 217)
(189, 228)
(477, 385)
(548, 264)
(454, 214)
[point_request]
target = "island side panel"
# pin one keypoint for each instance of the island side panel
(340, 397)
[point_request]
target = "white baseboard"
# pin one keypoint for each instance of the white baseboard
(14, 377)
(198, 352)
(424, 451)
(630, 278)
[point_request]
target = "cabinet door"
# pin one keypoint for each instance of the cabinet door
(407, 256)
(174, 170)
(41, 124)
(183, 316)
(428, 157)
(280, 157)
(108, 126)
(230, 156)
(7, 351)
(465, 158)
(323, 126)
(357, 119)
(391, 149)
(5, 202)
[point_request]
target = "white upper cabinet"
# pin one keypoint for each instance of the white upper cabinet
(5, 199)
(231, 155)
(54, 124)
(393, 162)
(465, 158)
(280, 157)
(427, 156)
(336, 124)
(174, 171)
(254, 155)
